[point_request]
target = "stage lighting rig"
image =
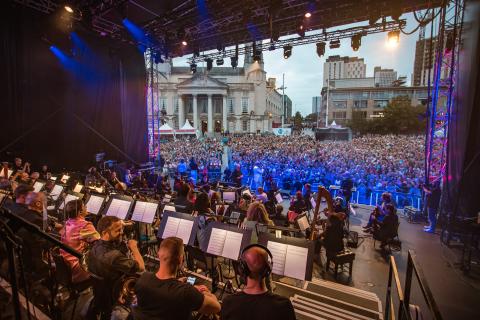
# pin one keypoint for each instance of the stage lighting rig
(257, 55)
(287, 51)
(234, 62)
(356, 42)
(193, 67)
(68, 8)
(220, 62)
(301, 31)
(393, 38)
(320, 49)
(209, 62)
(334, 44)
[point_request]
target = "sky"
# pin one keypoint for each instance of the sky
(304, 69)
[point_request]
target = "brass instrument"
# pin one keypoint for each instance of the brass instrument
(321, 193)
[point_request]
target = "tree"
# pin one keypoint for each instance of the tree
(297, 121)
(400, 117)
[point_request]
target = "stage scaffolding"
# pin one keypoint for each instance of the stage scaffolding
(153, 105)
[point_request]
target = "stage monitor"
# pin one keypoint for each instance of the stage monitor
(38, 186)
(144, 211)
(119, 206)
(229, 196)
(180, 225)
(94, 204)
(56, 192)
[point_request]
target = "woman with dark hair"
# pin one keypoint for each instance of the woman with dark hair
(203, 211)
(388, 227)
(78, 233)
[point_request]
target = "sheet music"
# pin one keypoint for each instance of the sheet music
(94, 204)
(9, 173)
(313, 203)
(296, 262)
(56, 191)
(279, 252)
(37, 186)
(229, 196)
(185, 230)
(279, 198)
(53, 178)
(169, 208)
(303, 223)
(119, 208)
(235, 216)
(231, 247)
(144, 211)
(217, 241)
(171, 227)
(64, 178)
(78, 188)
(68, 198)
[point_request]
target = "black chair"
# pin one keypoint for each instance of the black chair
(344, 257)
(390, 240)
(102, 302)
(63, 277)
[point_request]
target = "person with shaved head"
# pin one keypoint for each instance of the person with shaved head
(256, 301)
(162, 296)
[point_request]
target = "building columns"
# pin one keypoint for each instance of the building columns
(181, 112)
(224, 114)
(210, 115)
(195, 112)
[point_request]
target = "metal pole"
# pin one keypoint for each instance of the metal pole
(283, 100)
(326, 108)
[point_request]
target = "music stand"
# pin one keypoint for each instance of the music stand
(229, 196)
(302, 222)
(78, 188)
(38, 185)
(278, 197)
(56, 192)
(178, 224)
(292, 257)
(70, 195)
(118, 206)
(64, 179)
(226, 240)
(144, 211)
(94, 203)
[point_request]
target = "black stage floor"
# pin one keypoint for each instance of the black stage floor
(457, 295)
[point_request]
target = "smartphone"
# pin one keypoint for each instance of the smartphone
(191, 280)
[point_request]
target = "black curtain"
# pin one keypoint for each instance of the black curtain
(463, 166)
(66, 96)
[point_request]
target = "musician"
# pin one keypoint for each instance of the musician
(78, 234)
(386, 229)
(109, 256)
(433, 194)
(18, 166)
(4, 170)
(203, 210)
(261, 195)
(44, 174)
(255, 301)
(237, 176)
(161, 295)
(182, 198)
(332, 236)
(379, 212)
(257, 212)
(20, 194)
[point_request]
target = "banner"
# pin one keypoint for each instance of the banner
(282, 131)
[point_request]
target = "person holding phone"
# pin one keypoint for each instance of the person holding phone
(161, 295)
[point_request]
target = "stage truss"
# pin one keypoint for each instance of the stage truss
(443, 92)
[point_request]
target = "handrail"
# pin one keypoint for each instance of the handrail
(404, 296)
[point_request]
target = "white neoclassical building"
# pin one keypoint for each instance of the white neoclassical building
(222, 99)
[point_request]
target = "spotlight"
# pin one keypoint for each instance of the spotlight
(301, 31)
(209, 64)
(234, 62)
(334, 44)
(308, 15)
(184, 42)
(196, 52)
(220, 62)
(193, 67)
(257, 55)
(271, 47)
(68, 9)
(287, 51)
(320, 49)
(393, 38)
(356, 42)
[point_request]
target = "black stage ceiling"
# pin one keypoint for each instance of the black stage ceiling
(214, 24)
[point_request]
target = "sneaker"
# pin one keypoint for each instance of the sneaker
(426, 227)
(429, 230)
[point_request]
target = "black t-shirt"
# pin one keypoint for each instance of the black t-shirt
(165, 299)
(263, 306)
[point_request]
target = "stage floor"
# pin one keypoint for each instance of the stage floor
(457, 296)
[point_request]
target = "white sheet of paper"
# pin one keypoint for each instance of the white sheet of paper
(64, 178)
(233, 242)
(169, 208)
(9, 173)
(37, 186)
(296, 262)
(78, 188)
(313, 203)
(94, 204)
(171, 227)
(53, 178)
(68, 198)
(217, 241)
(118, 208)
(56, 191)
(184, 230)
(144, 211)
(303, 223)
(279, 251)
(279, 198)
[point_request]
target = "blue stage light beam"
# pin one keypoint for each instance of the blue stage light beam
(138, 34)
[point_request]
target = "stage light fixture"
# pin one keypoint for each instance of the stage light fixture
(308, 15)
(393, 38)
(193, 67)
(68, 8)
(320, 49)
(234, 62)
(287, 51)
(334, 44)
(301, 31)
(257, 55)
(209, 62)
(220, 62)
(184, 42)
(356, 42)
(196, 52)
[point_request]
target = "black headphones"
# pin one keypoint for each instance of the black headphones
(244, 270)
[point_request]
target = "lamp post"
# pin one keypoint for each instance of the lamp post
(283, 99)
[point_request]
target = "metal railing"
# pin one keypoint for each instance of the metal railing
(403, 312)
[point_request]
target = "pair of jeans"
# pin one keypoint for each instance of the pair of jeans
(432, 218)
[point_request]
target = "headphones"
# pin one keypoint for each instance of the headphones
(244, 270)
